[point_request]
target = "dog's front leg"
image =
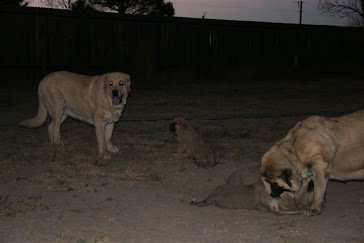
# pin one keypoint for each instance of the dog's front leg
(302, 195)
(108, 134)
(100, 134)
(181, 151)
(320, 180)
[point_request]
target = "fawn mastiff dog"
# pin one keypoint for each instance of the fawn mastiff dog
(319, 147)
(97, 100)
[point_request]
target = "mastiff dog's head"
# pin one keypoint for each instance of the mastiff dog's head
(117, 87)
(281, 171)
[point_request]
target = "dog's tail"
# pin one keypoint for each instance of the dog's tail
(38, 120)
(290, 212)
(203, 203)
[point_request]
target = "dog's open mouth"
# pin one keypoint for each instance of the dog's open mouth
(116, 100)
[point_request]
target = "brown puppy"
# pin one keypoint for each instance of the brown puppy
(234, 197)
(245, 176)
(318, 147)
(97, 100)
(288, 202)
(245, 190)
(191, 144)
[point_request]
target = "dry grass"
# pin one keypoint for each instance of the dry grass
(12, 209)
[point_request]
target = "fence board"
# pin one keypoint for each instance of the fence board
(43, 40)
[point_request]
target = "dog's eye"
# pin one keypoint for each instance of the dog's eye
(121, 83)
(110, 83)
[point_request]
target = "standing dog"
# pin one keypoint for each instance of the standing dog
(191, 144)
(97, 100)
(318, 147)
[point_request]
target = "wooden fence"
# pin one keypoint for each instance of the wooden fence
(36, 41)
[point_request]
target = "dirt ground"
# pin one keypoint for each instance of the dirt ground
(143, 193)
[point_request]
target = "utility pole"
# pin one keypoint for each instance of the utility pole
(300, 6)
(298, 48)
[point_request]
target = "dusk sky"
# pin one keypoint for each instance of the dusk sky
(282, 11)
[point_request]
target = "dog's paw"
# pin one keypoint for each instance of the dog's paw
(312, 212)
(193, 202)
(113, 149)
(59, 146)
(105, 156)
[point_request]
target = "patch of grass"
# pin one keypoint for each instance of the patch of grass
(109, 199)
(77, 210)
(104, 237)
(157, 177)
(12, 209)
(7, 167)
(62, 235)
(30, 233)
(133, 172)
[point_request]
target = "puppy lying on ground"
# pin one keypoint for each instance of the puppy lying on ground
(233, 196)
(97, 100)
(191, 144)
(245, 190)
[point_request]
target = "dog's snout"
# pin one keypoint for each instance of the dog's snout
(172, 127)
(115, 92)
(276, 190)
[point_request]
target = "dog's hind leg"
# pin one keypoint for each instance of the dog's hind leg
(54, 135)
(210, 199)
(203, 203)
(58, 117)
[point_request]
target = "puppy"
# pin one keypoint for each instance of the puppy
(97, 100)
(245, 190)
(233, 197)
(191, 145)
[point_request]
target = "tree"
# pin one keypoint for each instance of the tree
(136, 7)
(162, 9)
(63, 4)
(20, 3)
(82, 6)
(352, 10)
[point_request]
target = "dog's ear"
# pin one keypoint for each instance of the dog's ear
(286, 176)
(182, 122)
(105, 82)
(179, 121)
(128, 82)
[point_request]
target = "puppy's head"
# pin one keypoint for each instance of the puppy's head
(280, 173)
(178, 125)
(117, 87)
(285, 202)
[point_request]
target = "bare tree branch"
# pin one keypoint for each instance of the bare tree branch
(62, 4)
(351, 10)
(137, 7)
